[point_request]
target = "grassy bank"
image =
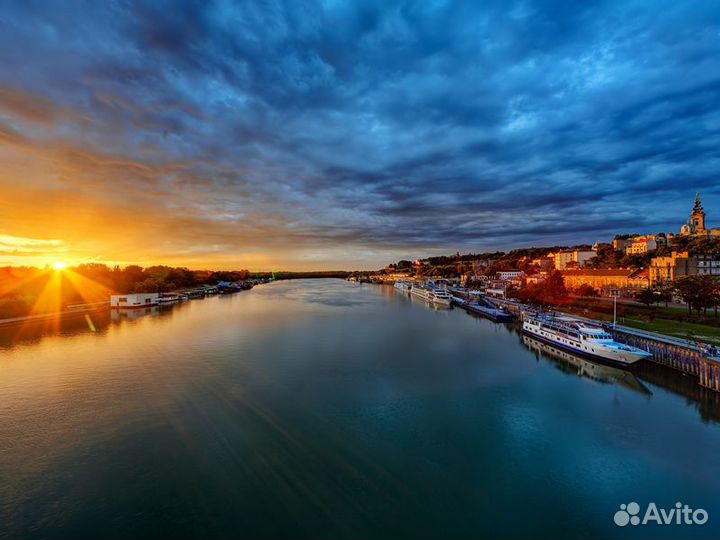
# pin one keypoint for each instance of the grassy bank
(670, 321)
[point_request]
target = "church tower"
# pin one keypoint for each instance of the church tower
(697, 218)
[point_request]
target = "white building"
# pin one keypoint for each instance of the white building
(497, 293)
(579, 256)
(640, 245)
(135, 300)
(510, 274)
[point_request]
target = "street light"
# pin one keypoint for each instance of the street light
(615, 296)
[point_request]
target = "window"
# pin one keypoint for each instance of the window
(122, 300)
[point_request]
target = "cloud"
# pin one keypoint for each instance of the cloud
(298, 132)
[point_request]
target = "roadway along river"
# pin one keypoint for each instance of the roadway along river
(324, 409)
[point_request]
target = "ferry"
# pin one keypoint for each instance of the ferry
(436, 296)
(403, 286)
(582, 339)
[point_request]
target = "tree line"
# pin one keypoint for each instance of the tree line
(24, 290)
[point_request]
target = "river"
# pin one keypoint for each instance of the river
(325, 409)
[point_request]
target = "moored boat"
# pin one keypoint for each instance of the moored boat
(587, 368)
(583, 339)
(403, 286)
(431, 294)
(488, 311)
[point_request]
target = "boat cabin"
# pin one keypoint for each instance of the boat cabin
(135, 300)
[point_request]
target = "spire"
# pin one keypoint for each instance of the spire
(697, 218)
(698, 205)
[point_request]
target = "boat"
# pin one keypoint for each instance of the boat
(487, 310)
(571, 362)
(403, 286)
(168, 298)
(582, 339)
(436, 296)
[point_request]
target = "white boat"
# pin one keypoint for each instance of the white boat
(403, 286)
(596, 371)
(583, 339)
(436, 296)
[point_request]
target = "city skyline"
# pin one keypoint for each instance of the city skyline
(342, 136)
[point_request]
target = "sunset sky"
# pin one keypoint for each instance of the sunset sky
(342, 135)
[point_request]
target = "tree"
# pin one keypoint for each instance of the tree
(606, 257)
(635, 260)
(647, 297)
(665, 293)
(550, 292)
(698, 291)
(553, 287)
(586, 290)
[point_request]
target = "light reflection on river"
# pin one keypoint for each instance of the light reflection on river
(319, 408)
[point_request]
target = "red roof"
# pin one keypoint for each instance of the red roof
(642, 274)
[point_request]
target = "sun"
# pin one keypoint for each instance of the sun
(59, 265)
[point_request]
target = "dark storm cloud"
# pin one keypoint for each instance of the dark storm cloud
(383, 124)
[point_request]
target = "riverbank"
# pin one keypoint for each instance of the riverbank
(80, 309)
(673, 321)
(72, 311)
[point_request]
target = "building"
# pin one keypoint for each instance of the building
(639, 279)
(497, 288)
(640, 244)
(543, 263)
(607, 281)
(709, 264)
(666, 269)
(695, 225)
(510, 275)
(535, 278)
(621, 244)
(135, 300)
(479, 267)
(576, 257)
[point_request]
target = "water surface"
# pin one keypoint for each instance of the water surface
(324, 409)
